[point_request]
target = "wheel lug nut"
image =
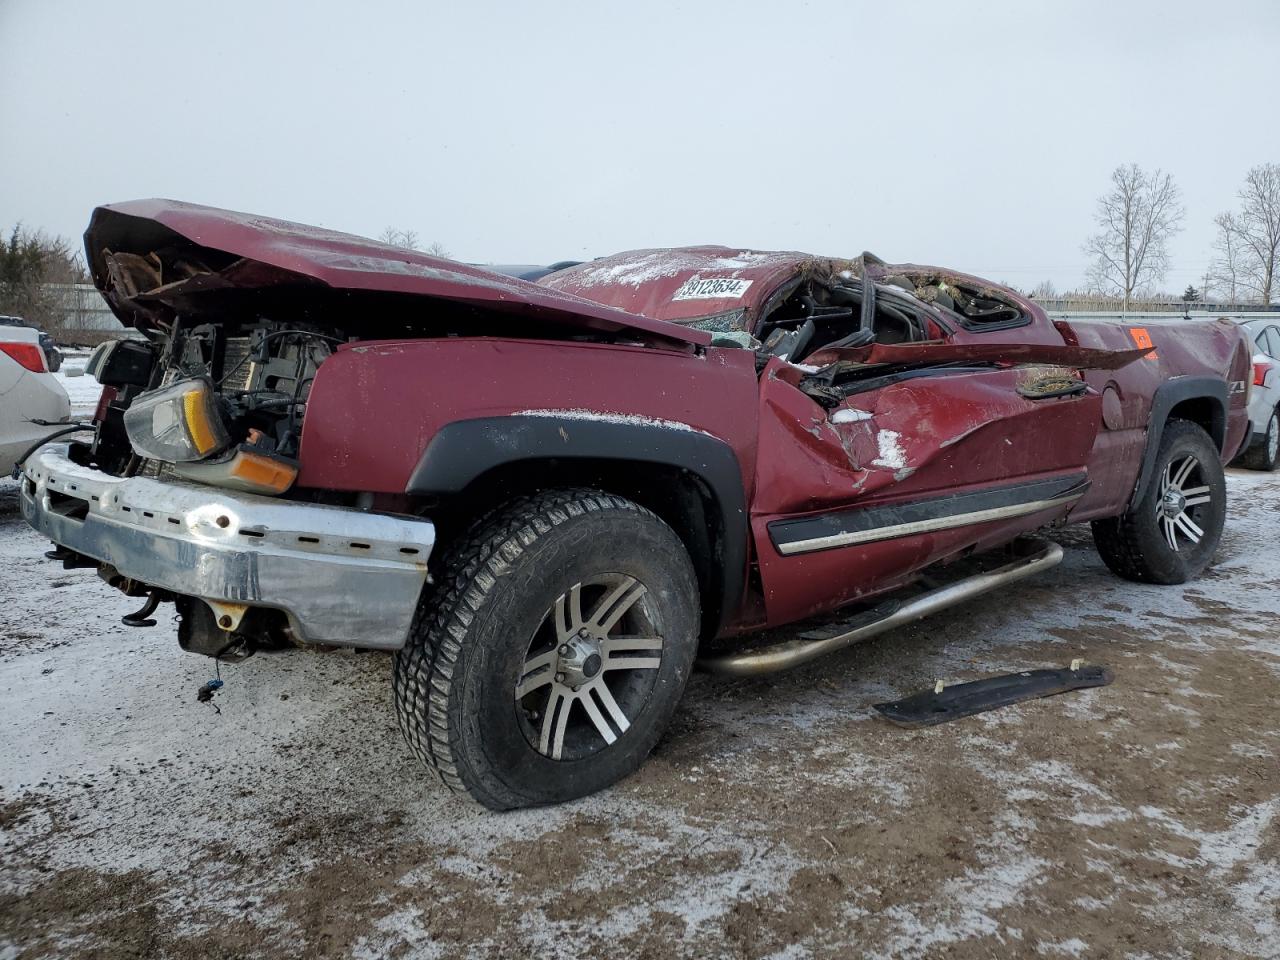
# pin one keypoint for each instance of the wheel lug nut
(564, 649)
(559, 678)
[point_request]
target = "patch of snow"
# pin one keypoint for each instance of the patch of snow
(1074, 947)
(1248, 750)
(397, 928)
(891, 453)
(1257, 896)
(850, 415)
(632, 419)
(1226, 848)
(83, 391)
(1100, 818)
(971, 900)
(645, 266)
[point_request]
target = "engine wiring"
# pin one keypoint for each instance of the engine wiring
(302, 334)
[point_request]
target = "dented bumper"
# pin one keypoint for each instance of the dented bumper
(341, 576)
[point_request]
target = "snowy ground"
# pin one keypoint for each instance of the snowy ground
(83, 391)
(780, 817)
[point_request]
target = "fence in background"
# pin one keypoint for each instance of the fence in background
(1114, 306)
(83, 309)
(1158, 316)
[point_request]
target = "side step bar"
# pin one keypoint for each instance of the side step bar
(1037, 555)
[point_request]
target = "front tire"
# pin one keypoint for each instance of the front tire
(1264, 455)
(1171, 534)
(548, 660)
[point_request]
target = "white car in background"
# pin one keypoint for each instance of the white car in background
(28, 392)
(1262, 450)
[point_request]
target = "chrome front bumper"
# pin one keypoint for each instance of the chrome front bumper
(341, 576)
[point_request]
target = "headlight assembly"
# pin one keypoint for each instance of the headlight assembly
(179, 423)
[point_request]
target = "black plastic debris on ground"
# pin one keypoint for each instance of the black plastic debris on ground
(965, 699)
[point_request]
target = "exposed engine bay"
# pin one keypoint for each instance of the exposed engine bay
(257, 375)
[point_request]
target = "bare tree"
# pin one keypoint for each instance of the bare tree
(1044, 290)
(399, 238)
(409, 238)
(1259, 229)
(1227, 267)
(1137, 218)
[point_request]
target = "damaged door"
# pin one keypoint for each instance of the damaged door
(891, 458)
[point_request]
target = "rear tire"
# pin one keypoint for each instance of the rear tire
(1171, 534)
(1264, 455)
(550, 656)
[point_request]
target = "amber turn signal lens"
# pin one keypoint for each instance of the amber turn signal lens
(243, 469)
(262, 474)
(195, 409)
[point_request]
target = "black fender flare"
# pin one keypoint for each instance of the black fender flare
(465, 450)
(1167, 396)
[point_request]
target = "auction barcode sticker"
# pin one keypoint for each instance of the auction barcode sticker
(712, 288)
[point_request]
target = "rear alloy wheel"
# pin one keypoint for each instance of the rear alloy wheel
(1265, 454)
(551, 654)
(1182, 492)
(1171, 533)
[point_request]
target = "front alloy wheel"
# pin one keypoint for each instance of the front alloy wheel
(587, 675)
(549, 657)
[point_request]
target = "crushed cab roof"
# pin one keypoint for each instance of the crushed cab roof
(685, 283)
(150, 254)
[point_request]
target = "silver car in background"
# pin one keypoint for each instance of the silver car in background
(1262, 450)
(29, 392)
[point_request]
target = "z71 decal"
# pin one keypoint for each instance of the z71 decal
(712, 288)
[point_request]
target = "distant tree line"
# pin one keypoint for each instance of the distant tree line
(30, 260)
(409, 239)
(1142, 211)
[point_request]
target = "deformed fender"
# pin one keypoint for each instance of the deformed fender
(1167, 396)
(465, 450)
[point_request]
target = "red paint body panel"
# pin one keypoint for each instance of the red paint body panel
(375, 406)
(954, 432)
(997, 347)
(804, 586)
(945, 432)
(1181, 349)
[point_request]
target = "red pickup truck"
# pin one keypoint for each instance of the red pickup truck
(551, 500)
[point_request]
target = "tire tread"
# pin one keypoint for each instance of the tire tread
(1120, 540)
(422, 681)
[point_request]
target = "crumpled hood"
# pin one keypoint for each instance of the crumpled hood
(154, 258)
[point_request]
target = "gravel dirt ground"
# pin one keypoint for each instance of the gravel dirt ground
(779, 818)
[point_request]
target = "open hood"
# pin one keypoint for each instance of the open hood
(156, 259)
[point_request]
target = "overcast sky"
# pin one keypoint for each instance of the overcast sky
(973, 135)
